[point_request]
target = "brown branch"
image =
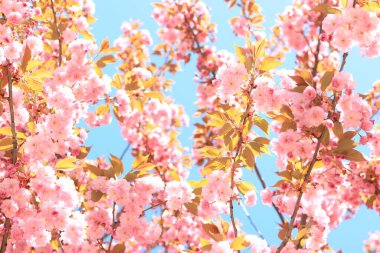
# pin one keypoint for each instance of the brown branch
(238, 154)
(112, 227)
(151, 207)
(7, 224)
(308, 173)
(316, 55)
(298, 203)
(59, 33)
(343, 62)
(264, 185)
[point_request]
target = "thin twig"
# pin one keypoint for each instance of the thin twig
(113, 222)
(151, 207)
(251, 221)
(264, 185)
(298, 203)
(316, 55)
(308, 173)
(59, 33)
(125, 151)
(7, 224)
(343, 62)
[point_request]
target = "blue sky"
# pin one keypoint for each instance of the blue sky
(104, 140)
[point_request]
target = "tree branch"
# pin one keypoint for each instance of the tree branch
(7, 224)
(308, 173)
(59, 33)
(251, 221)
(112, 227)
(264, 185)
(124, 151)
(316, 55)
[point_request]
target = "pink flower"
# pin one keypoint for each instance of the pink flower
(250, 198)
(9, 208)
(314, 116)
(231, 77)
(177, 194)
(5, 34)
(309, 93)
(239, 26)
(372, 244)
(343, 80)
(341, 40)
(13, 50)
(266, 197)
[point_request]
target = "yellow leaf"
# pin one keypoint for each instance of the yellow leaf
(197, 184)
(213, 231)
(328, 9)
(245, 187)
(354, 155)
(373, 6)
(174, 175)
(31, 84)
(140, 160)
(68, 163)
(33, 64)
(262, 124)
(192, 208)
(259, 48)
(338, 129)
(102, 109)
(307, 76)
(116, 82)
(325, 139)
(270, 63)
(90, 20)
(107, 59)
(54, 244)
(240, 53)
(146, 166)
(262, 140)
(301, 234)
(150, 83)
(96, 195)
(6, 144)
(216, 119)
(239, 243)
(344, 3)
(119, 248)
(104, 45)
(326, 79)
(248, 157)
(154, 94)
(41, 74)
(8, 131)
(26, 58)
(117, 164)
(299, 80)
(210, 151)
(87, 35)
